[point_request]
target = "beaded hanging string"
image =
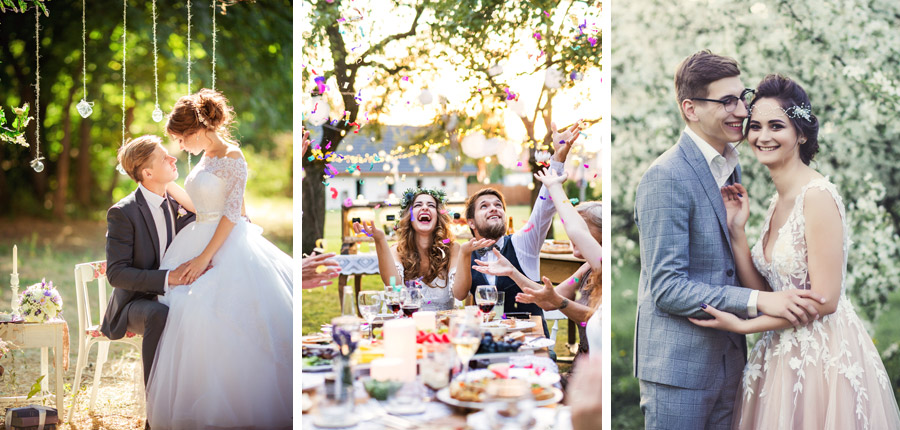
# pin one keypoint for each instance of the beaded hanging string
(124, 52)
(36, 164)
(84, 107)
(188, 46)
(214, 45)
(157, 112)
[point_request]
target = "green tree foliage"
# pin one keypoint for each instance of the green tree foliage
(253, 69)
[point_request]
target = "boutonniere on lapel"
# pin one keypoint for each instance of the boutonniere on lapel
(181, 212)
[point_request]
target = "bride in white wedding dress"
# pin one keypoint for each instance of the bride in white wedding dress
(224, 360)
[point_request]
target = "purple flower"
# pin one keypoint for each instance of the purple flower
(47, 293)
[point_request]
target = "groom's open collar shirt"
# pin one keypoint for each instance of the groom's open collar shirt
(527, 242)
(720, 166)
(155, 204)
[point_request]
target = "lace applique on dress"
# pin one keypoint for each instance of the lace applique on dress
(234, 172)
(438, 295)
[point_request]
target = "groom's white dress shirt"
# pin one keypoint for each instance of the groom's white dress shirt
(722, 167)
(155, 203)
(528, 243)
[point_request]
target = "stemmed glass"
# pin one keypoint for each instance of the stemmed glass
(465, 335)
(411, 300)
(392, 300)
(369, 306)
(486, 298)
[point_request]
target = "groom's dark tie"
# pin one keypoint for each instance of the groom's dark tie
(165, 208)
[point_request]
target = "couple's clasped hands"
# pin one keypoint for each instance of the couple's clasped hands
(796, 306)
(189, 271)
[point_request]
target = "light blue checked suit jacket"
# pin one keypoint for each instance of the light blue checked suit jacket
(686, 260)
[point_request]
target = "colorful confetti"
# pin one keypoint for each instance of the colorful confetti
(334, 193)
(321, 269)
(446, 241)
(527, 229)
(574, 200)
(348, 202)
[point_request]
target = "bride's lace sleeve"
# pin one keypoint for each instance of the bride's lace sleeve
(234, 172)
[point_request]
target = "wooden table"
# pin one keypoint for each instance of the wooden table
(44, 336)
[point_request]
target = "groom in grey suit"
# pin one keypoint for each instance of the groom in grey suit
(688, 374)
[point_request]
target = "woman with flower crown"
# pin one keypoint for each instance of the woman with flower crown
(425, 251)
(826, 374)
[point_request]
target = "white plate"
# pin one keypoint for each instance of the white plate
(520, 325)
(546, 378)
(444, 396)
(539, 342)
(319, 368)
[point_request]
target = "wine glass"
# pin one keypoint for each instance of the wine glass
(465, 335)
(392, 300)
(486, 298)
(369, 306)
(411, 299)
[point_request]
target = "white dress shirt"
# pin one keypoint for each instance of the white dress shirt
(155, 203)
(722, 167)
(528, 244)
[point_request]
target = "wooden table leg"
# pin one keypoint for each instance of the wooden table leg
(357, 286)
(58, 355)
(573, 330)
(342, 282)
(44, 371)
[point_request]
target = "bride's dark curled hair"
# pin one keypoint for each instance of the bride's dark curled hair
(204, 110)
(796, 105)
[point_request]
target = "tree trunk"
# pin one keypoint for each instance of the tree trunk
(83, 174)
(313, 204)
(64, 162)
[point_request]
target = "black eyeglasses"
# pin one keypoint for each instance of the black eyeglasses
(731, 102)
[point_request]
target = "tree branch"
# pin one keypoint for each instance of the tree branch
(411, 32)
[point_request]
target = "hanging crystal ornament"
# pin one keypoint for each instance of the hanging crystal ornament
(84, 107)
(157, 112)
(36, 164)
(214, 44)
(124, 56)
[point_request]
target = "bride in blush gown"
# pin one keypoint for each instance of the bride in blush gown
(826, 374)
(225, 357)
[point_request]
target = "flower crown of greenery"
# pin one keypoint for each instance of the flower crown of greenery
(410, 195)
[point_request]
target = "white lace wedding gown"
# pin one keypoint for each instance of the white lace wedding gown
(825, 375)
(439, 295)
(225, 357)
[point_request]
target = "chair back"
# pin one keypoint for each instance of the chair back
(86, 275)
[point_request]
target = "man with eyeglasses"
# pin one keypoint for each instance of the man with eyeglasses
(688, 374)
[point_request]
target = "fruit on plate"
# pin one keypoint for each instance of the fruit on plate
(489, 345)
(500, 369)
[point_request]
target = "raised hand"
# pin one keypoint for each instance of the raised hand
(737, 206)
(721, 320)
(368, 228)
(563, 140)
(544, 296)
(550, 178)
(474, 244)
(500, 267)
(306, 143)
(314, 276)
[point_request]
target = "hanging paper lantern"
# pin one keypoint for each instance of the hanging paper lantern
(517, 106)
(319, 111)
(438, 161)
(84, 108)
(492, 145)
(553, 78)
(495, 70)
(473, 145)
(508, 154)
(425, 97)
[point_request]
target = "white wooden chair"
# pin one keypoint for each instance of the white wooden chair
(555, 316)
(89, 333)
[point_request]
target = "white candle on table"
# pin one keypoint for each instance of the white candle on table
(15, 260)
(386, 369)
(425, 320)
(400, 343)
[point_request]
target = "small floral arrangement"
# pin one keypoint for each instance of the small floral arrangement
(181, 212)
(4, 348)
(40, 302)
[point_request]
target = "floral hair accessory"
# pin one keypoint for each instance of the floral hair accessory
(410, 195)
(795, 111)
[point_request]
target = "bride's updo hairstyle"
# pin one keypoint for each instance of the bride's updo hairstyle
(796, 106)
(204, 110)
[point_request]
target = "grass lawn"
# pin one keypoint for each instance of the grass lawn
(51, 250)
(625, 390)
(320, 305)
